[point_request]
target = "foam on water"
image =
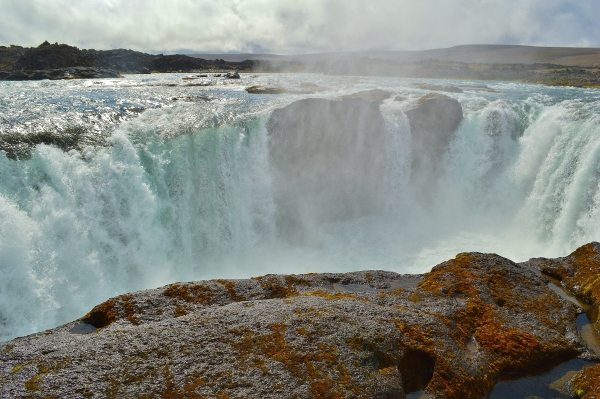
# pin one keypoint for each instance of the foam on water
(183, 191)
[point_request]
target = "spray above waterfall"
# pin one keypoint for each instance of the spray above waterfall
(242, 185)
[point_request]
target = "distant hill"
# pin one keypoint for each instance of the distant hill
(56, 56)
(562, 66)
(469, 54)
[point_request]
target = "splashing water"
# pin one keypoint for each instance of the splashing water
(184, 189)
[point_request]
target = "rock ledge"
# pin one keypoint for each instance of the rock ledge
(370, 334)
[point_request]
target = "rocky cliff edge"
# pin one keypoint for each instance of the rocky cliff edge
(370, 334)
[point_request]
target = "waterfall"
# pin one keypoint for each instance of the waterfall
(186, 193)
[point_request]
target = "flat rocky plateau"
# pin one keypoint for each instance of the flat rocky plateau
(370, 334)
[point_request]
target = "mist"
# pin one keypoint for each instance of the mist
(297, 27)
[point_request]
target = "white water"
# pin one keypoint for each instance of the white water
(184, 190)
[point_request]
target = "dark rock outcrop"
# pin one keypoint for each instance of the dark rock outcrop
(432, 124)
(60, 74)
(372, 334)
(265, 90)
(232, 75)
(20, 63)
(328, 159)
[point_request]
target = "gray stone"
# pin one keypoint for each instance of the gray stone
(323, 335)
(432, 123)
(328, 159)
(232, 75)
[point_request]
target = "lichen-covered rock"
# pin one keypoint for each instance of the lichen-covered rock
(328, 159)
(370, 334)
(579, 273)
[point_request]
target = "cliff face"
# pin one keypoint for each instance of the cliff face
(328, 159)
(369, 334)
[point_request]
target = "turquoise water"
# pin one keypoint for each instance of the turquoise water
(182, 189)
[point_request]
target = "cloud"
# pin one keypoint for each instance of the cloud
(298, 26)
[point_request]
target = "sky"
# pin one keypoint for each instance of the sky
(298, 26)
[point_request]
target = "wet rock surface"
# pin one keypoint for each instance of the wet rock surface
(328, 158)
(266, 90)
(433, 121)
(376, 95)
(579, 274)
(370, 334)
(432, 87)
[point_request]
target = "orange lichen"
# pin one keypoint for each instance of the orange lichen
(102, 315)
(321, 366)
(33, 383)
(230, 285)
(587, 383)
(415, 297)
(417, 337)
(317, 312)
(180, 310)
(45, 367)
(191, 293)
(129, 309)
(580, 271)
(587, 263)
(513, 348)
(389, 371)
(334, 295)
(452, 278)
(106, 313)
(188, 391)
(451, 382)
(278, 289)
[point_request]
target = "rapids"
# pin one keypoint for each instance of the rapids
(166, 187)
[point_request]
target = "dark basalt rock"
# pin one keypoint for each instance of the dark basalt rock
(232, 75)
(265, 90)
(59, 74)
(56, 56)
(328, 159)
(369, 334)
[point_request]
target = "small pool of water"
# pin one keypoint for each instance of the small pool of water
(550, 385)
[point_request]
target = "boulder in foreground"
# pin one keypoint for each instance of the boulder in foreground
(450, 332)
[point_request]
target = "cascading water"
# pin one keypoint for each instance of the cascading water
(184, 190)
